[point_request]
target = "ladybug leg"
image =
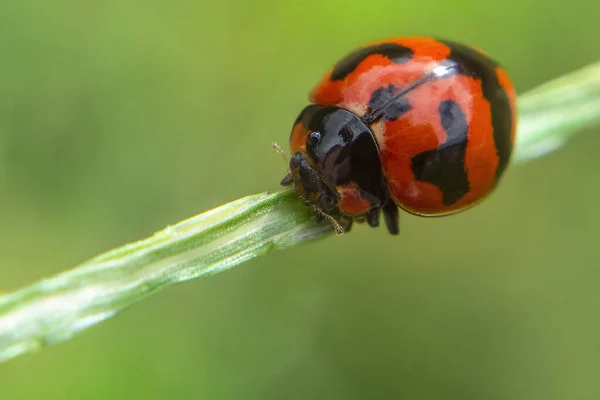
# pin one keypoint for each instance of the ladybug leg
(346, 223)
(390, 214)
(341, 224)
(287, 180)
(319, 217)
(373, 218)
(360, 219)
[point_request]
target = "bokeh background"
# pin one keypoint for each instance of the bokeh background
(119, 117)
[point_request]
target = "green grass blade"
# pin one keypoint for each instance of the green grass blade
(551, 113)
(56, 309)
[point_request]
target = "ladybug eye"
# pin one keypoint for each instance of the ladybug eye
(313, 138)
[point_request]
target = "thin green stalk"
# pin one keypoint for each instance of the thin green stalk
(553, 112)
(54, 310)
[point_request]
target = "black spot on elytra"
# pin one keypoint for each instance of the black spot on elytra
(381, 97)
(444, 166)
(385, 104)
(472, 63)
(396, 53)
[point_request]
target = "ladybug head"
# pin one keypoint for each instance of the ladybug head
(335, 164)
(310, 184)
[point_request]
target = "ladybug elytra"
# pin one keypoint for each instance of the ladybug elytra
(416, 123)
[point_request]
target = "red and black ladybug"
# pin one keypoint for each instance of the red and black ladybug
(417, 123)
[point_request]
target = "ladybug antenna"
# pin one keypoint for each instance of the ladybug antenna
(336, 225)
(279, 150)
(288, 179)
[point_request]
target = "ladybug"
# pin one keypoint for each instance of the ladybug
(415, 123)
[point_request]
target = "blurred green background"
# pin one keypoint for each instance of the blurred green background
(120, 117)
